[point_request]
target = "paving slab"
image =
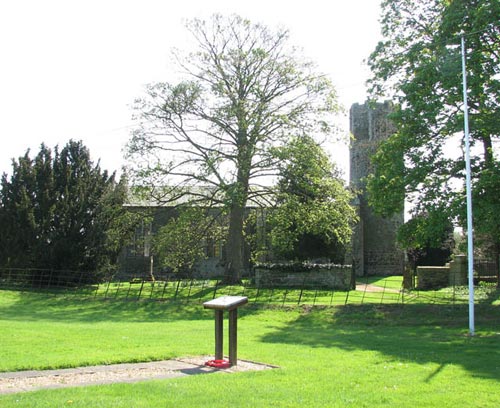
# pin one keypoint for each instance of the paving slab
(22, 381)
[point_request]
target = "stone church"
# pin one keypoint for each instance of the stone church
(374, 250)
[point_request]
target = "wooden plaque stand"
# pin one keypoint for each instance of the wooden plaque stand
(230, 303)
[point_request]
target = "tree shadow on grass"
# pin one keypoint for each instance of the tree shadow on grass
(413, 333)
(33, 307)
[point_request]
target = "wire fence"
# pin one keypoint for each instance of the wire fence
(368, 290)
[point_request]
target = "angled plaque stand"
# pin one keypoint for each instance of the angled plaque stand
(230, 303)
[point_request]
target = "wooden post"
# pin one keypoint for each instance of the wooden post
(219, 335)
(233, 337)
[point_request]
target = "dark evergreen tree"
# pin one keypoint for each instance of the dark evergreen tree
(17, 214)
(62, 213)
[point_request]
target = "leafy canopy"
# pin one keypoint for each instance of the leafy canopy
(243, 91)
(418, 64)
(313, 215)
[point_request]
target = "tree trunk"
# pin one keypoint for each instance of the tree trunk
(235, 244)
(238, 195)
(488, 151)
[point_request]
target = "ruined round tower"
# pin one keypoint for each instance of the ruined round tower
(374, 249)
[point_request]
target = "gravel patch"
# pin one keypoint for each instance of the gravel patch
(22, 381)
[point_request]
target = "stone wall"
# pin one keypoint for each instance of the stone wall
(458, 271)
(210, 268)
(432, 277)
(374, 249)
(436, 277)
(321, 276)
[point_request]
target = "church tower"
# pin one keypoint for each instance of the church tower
(374, 238)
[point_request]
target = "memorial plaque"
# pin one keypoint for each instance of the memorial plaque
(226, 302)
(230, 303)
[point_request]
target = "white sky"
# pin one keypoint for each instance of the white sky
(72, 68)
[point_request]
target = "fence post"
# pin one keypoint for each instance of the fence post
(189, 291)
(107, 289)
(152, 290)
(96, 290)
(257, 294)
(177, 288)
(284, 297)
(300, 295)
(383, 293)
(49, 284)
(164, 288)
(117, 288)
(364, 292)
(80, 279)
(216, 287)
(140, 290)
(315, 295)
(202, 288)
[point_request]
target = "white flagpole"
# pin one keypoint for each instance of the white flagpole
(470, 243)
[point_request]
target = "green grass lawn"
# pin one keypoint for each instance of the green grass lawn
(388, 291)
(357, 355)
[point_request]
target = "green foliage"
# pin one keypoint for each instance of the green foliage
(313, 215)
(486, 205)
(62, 212)
(426, 230)
(419, 65)
(386, 185)
(487, 201)
(244, 90)
(428, 239)
(183, 241)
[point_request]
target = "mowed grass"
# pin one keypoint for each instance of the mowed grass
(356, 355)
(371, 290)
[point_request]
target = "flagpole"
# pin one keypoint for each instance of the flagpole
(470, 243)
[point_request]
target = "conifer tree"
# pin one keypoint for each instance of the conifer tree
(61, 211)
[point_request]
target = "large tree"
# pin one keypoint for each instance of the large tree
(244, 90)
(313, 216)
(419, 65)
(61, 211)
